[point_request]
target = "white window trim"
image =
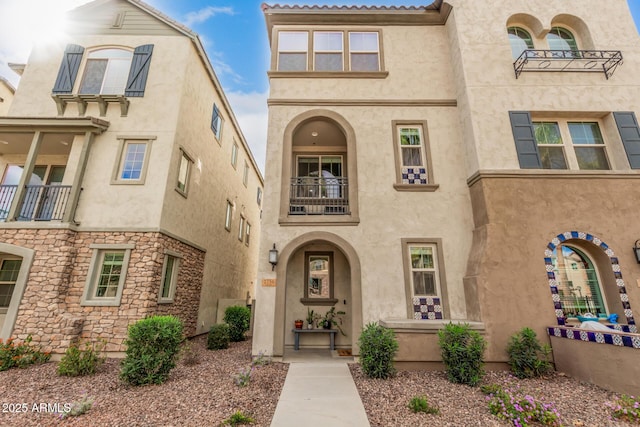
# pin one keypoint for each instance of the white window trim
(247, 233)
(320, 51)
(117, 169)
(184, 155)
(228, 218)
(178, 257)
(83, 69)
(234, 155)
(568, 147)
(88, 296)
(241, 228)
(377, 51)
(245, 174)
(306, 52)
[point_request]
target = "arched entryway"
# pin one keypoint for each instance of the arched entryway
(296, 297)
(584, 276)
(15, 263)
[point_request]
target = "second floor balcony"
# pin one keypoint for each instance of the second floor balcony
(590, 61)
(319, 196)
(39, 202)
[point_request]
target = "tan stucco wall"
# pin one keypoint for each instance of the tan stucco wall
(6, 96)
(612, 367)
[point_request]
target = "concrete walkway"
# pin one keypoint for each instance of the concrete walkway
(319, 392)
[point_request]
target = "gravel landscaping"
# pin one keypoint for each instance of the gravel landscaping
(385, 401)
(203, 394)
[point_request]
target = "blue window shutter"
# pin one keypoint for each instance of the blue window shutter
(630, 135)
(525, 139)
(139, 70)
(215, 121)
(68, 69)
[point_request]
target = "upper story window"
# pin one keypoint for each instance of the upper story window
(520, 41)
(106, 72)
(364, 51)
(327, 50)
(133, 161)
(245, 174)
(413, 159)
(561, 39)
(184, 171)
(234, 155)
(216, 122)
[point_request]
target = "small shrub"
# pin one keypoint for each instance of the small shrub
(188, 355)
(420, 404)
(78, 407)
(238, 319)
(78, 362)
(153, 345)
(261, 360)
(20, 355)
(378, 347)
(243, 378)
(490, 388)
(527, 358)
(218, 338)
(462, 351)
(626, 408)
(521, 410)
(238, 418)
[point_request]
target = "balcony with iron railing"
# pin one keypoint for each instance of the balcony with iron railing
(319, 196)
(40, 202)
(589, 61)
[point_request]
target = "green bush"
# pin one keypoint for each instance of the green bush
(420, 404)
(527, 358)
(218, 337)
(238, 418)
(78, 362)
(462, 351)
(378, 347)
(20, 355)
(153, 345)
(238, 319)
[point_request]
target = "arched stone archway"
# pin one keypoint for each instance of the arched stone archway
(615, 266)
(355, 284)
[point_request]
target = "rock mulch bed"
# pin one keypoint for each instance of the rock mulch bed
(195, 395)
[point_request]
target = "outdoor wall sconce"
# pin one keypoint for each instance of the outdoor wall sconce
(636, 250)
(273, 257)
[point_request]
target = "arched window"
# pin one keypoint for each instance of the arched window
(561, 39)
(520, 41)
(106, 72)
(578, 283)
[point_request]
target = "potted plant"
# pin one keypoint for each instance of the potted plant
(311, 317)
(333, 318)
(298, 323)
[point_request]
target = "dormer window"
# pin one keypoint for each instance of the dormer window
(106, 72)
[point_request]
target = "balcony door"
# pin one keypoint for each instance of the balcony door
(320, 176)
(41, 195)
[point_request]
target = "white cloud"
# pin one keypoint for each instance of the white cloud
(251, 111)
(202, 15)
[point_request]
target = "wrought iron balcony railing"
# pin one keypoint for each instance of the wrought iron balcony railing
(319, 196)
(590, 61)
(40, 202)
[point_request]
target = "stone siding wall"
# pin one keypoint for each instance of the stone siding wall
(50, 310)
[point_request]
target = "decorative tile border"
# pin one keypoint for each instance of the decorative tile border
(414, 175)
(428, 308)
(618, 339)
(615, 266)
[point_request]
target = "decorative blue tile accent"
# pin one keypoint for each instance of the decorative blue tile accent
(622, 339)
(615, 266)
(428, 308)
(414, 175)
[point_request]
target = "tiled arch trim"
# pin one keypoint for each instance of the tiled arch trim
(615, 266)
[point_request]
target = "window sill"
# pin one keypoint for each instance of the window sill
(317, 301)
(100, 303)
(182, 193)
(165, 301)
(329, 74)
(416, 187)
(125, 182)
(426, 326)
(102, 100)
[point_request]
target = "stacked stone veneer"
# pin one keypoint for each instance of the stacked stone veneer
(50, 309)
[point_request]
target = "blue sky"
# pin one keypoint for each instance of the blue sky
(233, 33)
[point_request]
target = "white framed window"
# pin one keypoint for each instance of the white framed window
(241, 229)
(228, 216)
(414, 170)
(259, 196)
(9, 270)
(216, 123)
(328, 51)
(424, 273)
(247, 234)
(170, 269)
(106, 72)
(364, 51)
(566, 144)
(107, 274)
(184, 172)
(245, 174)
(292, 50)
(234, 154)
(132, 160)
(520, 40)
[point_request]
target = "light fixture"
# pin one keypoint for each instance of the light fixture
(314, 133)
(273, 257)
(636, 250)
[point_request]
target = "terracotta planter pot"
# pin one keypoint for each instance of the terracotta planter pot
(299, 324)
